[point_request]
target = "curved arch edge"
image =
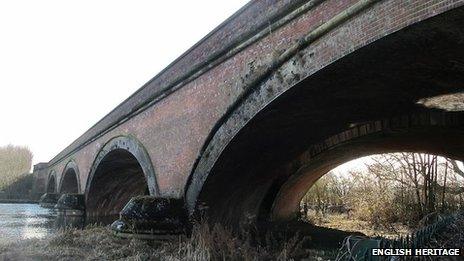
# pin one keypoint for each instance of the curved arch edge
(51, 174)
(134, 147)
(321, 158)
(70, 165)
(256, 97)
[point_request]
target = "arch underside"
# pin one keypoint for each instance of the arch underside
(381, 82)
(443, 138)
(51, 184)
(121, 170)
(117, 179)
(70, 182)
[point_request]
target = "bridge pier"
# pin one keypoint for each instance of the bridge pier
(48, 200)
(71, 211)
(147, 217)
(242, 124)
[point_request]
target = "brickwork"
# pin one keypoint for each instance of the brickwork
(359, 31)
(437, 133)
(40, 174)
(184, 129)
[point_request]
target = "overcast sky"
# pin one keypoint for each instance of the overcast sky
(66, 64)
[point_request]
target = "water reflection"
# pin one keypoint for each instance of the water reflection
(24, 221)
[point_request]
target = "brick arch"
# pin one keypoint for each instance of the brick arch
(334, 40)
(122, 169)
(70, 179)
(51, 182)
(433, 133)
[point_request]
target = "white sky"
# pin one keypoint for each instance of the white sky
(66, 64)
(358, 164)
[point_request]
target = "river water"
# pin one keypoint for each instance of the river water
(24, 221)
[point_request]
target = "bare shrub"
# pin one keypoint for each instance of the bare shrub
(395, 187)
(15, 161)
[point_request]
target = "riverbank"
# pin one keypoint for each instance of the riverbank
(18, 201)
(99, 243)
(346, 223)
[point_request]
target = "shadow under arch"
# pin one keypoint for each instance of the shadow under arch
(51, 182)
(121, 170)
(70, 181)
(254, 149)
(442, 135)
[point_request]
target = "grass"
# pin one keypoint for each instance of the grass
(93, 243)
(206, 243)
(346, 223)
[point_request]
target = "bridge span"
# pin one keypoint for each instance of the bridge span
(247, 119)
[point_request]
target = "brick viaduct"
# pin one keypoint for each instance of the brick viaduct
(248, 118)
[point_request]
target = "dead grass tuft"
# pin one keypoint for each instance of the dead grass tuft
(205, 243)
